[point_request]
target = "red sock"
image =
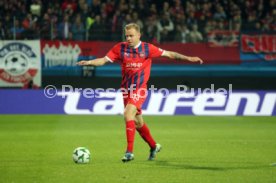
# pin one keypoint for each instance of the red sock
(145, 134)
(130, 134)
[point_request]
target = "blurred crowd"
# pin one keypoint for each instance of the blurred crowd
(160, 20)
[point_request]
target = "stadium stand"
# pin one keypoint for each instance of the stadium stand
(162, 21)
(208, 23)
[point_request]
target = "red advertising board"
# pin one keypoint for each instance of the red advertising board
(210, 55)
(225, 38)
(258, 47)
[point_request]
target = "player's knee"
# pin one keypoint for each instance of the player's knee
(139, 124)
(128, 115)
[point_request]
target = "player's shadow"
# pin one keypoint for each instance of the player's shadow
(177, 165)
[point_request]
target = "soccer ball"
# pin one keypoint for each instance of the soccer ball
(81, 155)
(16, 64)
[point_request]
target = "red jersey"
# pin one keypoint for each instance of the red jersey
(135, 62)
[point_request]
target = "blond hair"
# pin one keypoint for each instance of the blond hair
(132, 26)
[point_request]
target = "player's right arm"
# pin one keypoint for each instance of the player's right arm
(111, 56)
(95, 62)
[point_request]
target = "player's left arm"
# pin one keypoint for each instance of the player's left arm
(178, 56)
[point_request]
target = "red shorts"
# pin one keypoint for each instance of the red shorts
(137, 98)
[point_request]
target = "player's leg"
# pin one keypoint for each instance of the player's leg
(139, 121)
(130, 112)
(129, 115)
(144, 132)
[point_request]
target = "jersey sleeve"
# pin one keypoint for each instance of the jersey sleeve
(155, 51)
(113, 55)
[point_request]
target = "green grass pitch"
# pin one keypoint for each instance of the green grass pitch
(38, 148)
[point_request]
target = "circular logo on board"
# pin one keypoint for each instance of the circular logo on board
(17, 63)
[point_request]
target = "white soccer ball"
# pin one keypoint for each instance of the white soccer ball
(81, 155)
(16, 64)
